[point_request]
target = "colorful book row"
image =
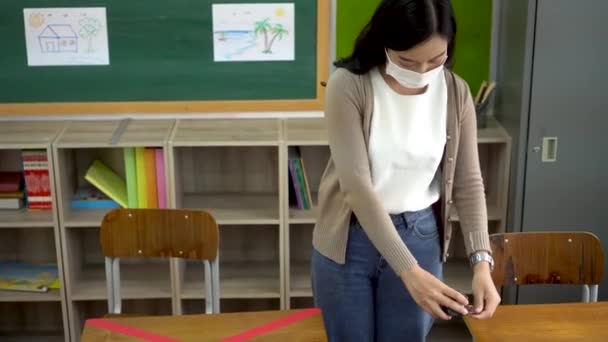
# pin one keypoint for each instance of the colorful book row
(144, 186)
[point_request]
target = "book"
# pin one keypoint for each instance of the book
(17, 276)
(11, 200)
(306, 184)
(142, 183)
(150, 160)
(161, 179)
(37, 179)
(108, 182)
(131, 176)
(298, 178)
(11, 203)
(92, 198)
(294, 184)
(10, 181)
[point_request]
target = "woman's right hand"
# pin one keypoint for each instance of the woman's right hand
(431, 293)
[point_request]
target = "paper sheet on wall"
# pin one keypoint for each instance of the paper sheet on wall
(253, 32)
(66, 36)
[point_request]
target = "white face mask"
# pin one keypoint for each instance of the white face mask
(409, 78)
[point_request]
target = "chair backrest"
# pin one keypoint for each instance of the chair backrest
(163, 233)
(547, 258)
(187, 234)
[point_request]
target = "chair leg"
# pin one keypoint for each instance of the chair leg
(585, 293)
(215, 275)
(593, 289)
(208, 288)
(110, 284)
(113, 285)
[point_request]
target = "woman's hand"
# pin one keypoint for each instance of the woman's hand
(430, 293)
(484, 291)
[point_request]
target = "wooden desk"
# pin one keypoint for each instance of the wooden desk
(553, 322)
(220, 327)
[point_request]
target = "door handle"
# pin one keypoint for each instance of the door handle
(549, 150)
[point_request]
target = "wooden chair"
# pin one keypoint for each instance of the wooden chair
(549, 258)
(165, 233)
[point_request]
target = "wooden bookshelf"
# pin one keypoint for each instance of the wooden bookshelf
(31, 236)
(238, 171)
(80, 143)
(231, 168)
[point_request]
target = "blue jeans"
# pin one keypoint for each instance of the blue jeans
(364, 299)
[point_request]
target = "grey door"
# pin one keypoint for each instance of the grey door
(569, 101)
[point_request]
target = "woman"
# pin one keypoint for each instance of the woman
(403, 141)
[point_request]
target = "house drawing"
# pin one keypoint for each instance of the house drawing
(58, 38)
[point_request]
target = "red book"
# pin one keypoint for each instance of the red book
(10, 181)
(37, 179)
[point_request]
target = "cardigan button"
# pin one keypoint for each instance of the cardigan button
(450, 159)
(449, 137)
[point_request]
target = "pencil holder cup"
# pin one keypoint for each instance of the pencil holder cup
(482, 112)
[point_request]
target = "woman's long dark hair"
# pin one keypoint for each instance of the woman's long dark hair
(400, 25)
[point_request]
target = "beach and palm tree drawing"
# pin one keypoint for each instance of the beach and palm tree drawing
(256, 32)
(266, 28)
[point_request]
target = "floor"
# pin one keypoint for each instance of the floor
(450, 332)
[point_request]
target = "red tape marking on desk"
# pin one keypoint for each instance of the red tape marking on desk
(274, 325)
(129, 331)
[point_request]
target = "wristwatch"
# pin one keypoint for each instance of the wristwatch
(480, 256)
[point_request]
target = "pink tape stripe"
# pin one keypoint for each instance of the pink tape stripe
(274, 325)
(129, 331)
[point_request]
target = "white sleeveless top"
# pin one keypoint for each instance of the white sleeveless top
(407, 140)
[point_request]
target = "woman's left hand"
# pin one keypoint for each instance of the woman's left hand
(484, 291)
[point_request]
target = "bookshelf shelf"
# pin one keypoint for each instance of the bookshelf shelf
(140, 281)
(236, 208)
(83, 218)
(15, 296)
(223, 133)
(26, 218)
(237, 281)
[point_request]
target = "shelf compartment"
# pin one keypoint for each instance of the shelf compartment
(33, 246)
(249, 265)
(237, 185)
(315, 159)
(300, 249)
(31, 321)
(140, 278)
(11, 160)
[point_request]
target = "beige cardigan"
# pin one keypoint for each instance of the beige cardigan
(346, 185)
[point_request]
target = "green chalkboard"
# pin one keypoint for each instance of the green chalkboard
(160, 50)
(473, 39)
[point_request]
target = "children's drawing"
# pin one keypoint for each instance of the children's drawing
(66, 36)
(58, 38)
(89, 29)
(253, 32)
